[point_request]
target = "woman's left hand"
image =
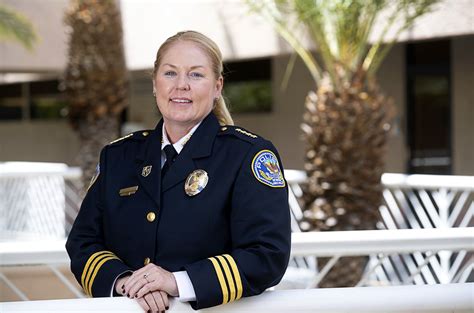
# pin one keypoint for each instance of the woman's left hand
(151, 278)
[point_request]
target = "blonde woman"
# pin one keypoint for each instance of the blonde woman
(195, 209)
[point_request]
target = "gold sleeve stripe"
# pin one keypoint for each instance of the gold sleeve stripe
(228, 275)
(88, 263)
(93, 267)
(97, 270)
(235, 271)
(220, 277)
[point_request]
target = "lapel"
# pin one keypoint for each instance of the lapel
(150, 155)
(199, 146)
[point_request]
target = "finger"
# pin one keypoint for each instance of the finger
(132, 292)
(138, 275)
(143, 304)
(133, 281)
(129, 283)
(166, 301)
(149, 287)
(150, 299)
(159, 300)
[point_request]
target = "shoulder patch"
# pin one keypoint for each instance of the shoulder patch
(266, 169)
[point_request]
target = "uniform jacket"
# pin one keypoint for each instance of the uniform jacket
(232, 238)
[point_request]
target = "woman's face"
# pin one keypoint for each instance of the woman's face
(185, 85)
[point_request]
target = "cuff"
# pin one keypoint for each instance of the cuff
(100, 272)
(216, 280)
(113, 293)
(185, 287)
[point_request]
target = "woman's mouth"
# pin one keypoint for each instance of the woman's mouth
(181, 100)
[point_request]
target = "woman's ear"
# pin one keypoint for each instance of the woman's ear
(219, 86)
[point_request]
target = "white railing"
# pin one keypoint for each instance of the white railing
(381, 243)
(409, 202)
(453, 298)
(422, 203)
(38, 198)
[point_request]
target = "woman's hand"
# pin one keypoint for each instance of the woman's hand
(120, 285)
(155, 301)
(150, 278)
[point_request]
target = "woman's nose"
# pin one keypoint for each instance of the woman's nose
(183, 82)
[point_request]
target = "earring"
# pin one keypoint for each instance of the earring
(154, 93)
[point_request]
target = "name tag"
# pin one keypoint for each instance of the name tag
(128, 191)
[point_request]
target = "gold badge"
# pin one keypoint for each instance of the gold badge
(146, 171)
(196, 182)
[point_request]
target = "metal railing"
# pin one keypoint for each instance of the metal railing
(453, 298)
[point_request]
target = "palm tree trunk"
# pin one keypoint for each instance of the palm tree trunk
(346, 135)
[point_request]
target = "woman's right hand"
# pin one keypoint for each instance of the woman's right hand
(155, 301)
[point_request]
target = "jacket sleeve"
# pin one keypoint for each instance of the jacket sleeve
(260, 231)
(94, 266)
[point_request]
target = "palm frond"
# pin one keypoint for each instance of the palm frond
(273, 15)
(340, 31)
(14, 26)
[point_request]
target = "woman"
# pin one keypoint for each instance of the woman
(195, 209)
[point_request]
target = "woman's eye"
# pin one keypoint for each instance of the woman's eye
(170, 73)
(196, 75)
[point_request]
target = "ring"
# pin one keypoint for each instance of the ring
(145, 276)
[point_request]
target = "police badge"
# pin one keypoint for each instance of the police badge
(196, 182)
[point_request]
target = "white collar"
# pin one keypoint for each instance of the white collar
(178, 145)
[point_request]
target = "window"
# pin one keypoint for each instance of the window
(247, 86)
(46, 100)
(32, 100)
(429, 107)
(11, 102)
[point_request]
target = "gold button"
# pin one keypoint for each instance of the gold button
(147, 260)
(145, 134)
(224, 128)
(150, 216)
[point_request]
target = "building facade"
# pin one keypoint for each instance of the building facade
(429, 75)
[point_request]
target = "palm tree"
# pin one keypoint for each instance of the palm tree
(95, 80)
(347, 118)
(16, 27)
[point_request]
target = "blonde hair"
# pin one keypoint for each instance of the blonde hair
(220, 109)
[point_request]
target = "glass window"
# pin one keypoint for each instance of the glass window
(11, 102)
(429, 107)
(247, 86)
(46, 101)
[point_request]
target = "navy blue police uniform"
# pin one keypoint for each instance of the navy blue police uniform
(232, 236)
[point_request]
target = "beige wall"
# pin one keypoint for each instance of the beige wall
(147, 23)
(391, 76)
(38, 141)
(463, 105)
